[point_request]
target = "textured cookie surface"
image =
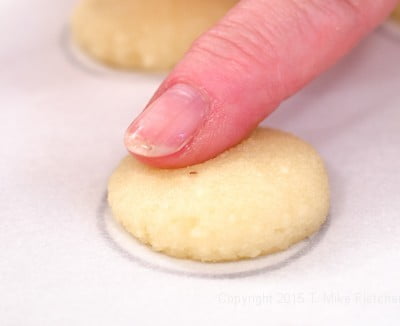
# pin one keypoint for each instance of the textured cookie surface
(259, 197)
(143, 34)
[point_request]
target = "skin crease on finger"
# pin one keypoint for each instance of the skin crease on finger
(260, 53)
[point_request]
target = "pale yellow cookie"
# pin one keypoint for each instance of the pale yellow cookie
(143, 34)
(259, 197)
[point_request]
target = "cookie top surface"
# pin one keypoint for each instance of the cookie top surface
(259, 197)
(147, 35)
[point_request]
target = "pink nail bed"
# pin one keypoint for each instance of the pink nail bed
(168, 124)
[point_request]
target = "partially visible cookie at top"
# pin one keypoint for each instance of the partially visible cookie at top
(143, 34)
(261, 196)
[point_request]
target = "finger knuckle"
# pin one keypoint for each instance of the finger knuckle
(242, 45)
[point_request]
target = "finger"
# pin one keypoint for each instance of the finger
(239, 71)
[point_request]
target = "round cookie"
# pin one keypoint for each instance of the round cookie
(259, 197)
(143, 34)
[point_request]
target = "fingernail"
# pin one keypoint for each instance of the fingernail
(168, 124)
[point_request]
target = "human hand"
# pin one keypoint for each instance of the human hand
(238, 72)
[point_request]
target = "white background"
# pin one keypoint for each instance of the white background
(61, 127)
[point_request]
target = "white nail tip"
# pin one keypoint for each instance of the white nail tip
(138, 145)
